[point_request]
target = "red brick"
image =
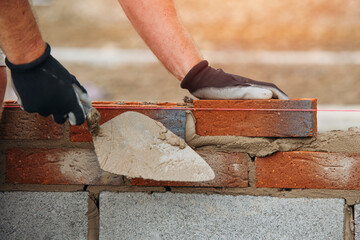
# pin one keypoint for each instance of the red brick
(230, 171)
(256, 123)
(318, 170)
(109, 110)
(17, 124)
(56, 166)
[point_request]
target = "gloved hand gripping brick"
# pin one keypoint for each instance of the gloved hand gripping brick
(205, 82)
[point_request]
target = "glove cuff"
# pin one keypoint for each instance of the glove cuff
(33, 64)
(188, 81)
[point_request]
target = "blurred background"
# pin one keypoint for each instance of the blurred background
(309, 48)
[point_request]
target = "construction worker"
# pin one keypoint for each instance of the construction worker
(44, 86)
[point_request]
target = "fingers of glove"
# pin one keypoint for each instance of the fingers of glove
(20, 103)
(76, 82)
(237, 92)
(59, 119)
(18, 98)
(279, 94)
(83, 96)
(77, 115)
(276, 92)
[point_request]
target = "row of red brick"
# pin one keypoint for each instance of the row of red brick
(252, 118)
(68, 165)
(311, 170)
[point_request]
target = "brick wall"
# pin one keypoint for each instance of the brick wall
(266, 153)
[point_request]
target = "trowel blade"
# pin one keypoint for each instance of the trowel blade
(135, 145)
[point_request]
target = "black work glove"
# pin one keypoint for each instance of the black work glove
(205, 82)
(46, 87)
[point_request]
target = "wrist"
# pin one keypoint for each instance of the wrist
(28, 54)
(190, 80)
(186, 66)
(34, 63)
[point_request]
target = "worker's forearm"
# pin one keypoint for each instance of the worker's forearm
(157, 23)
(20, 38)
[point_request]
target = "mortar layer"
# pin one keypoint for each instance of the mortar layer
(334, 141)
(145, 148)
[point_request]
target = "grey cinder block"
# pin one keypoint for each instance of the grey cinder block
(43, 215)
(357, 222)
(197, 216)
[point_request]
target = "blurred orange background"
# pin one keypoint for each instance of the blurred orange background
(226, 26)
(214, 24)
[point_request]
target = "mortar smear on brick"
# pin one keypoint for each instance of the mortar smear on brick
(335, 141)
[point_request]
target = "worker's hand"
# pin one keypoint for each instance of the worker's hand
(46, 87)
(205, 82)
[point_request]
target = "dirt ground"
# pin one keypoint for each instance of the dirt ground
(215, 25)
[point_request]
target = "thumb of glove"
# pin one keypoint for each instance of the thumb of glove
(83, 96)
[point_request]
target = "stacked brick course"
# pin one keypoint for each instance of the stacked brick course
(37, 152)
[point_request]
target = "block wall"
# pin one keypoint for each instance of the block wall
(270, 153)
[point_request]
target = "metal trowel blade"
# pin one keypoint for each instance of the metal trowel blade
(135, 145)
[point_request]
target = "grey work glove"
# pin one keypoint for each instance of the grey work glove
(46, 87)
(205, 82)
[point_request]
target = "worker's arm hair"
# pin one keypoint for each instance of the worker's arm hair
(157, 23)
(20, 37)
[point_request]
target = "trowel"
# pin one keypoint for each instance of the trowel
(137, 146)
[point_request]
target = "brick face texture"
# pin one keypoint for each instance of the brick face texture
(256, 123)
(174, 120)
(80, 166)
(71, 164)
(17, 124)
(230, 171)
(309, 170)
(56, 166)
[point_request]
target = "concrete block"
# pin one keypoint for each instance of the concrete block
(309, 170)
(40, 215)
(357, 222)
(198, 216)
